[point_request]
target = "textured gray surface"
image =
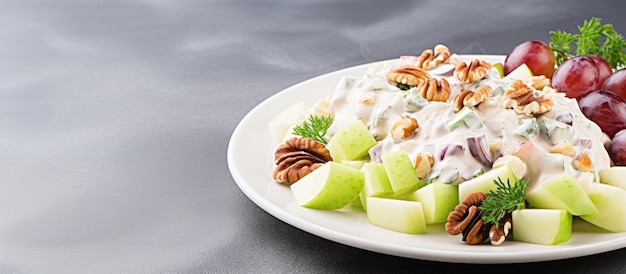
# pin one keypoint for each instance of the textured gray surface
(115, 118)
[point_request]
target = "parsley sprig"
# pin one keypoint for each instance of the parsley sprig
(504, 199)
(315, 127)
(594, 38)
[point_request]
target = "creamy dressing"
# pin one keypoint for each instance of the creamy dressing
(377, 102)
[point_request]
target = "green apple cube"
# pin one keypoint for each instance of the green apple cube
(615, 176)
(354, 163)
(280, 124)
(397, 215)
(401, 173)
(437, 200)
(542, 226)
(376, 182)
(331, 186)
(611, 204)
(561, 192)
(357, 203)
(522, 72)
(351, 142)
(486, 182)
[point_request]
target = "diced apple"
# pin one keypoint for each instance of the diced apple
(615, 176)
(331, 186)
(485, 182)
(376, 182)
(611, 204)
(437, 200)
(351, 142)
(354, 163)
(542, 226)
(401, 173)
(280, 124)
(515, 163)
(397, 215)
(522, 72)
(561, 192)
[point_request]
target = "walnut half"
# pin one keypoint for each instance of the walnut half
(297, 157)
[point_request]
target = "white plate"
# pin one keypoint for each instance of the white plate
(250, 159)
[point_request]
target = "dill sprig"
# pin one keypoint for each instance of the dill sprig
(594, 38)
(504, 199)
(315, 127)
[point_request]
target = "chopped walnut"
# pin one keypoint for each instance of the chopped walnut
(434, 90)
(469, 98)
(498, 233)
(403, 127)
(423, 164)
(297, 157)
(408, 75)
(368, 98)
(473, 72)
(429, 59)
(583, 163)
(521, 98)
(539, 82)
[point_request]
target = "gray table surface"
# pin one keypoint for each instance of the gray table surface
(115, 119)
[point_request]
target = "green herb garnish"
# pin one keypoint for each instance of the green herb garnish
(594, 38)
(504, 199)
(315, 128)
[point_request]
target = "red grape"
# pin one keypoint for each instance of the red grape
(537, 55)
(604, 69)
(617, 83)
(576, 77)
(617, 149)
(606, 109)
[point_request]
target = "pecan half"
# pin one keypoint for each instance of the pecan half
(435, 90)
(469, 98)
(472, 72)
(466, 215)
(521, 98)
(466, 219)
(408, 75)
(297, 157)
(429, 59)
(403, 127)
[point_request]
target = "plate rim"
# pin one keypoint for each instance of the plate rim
(412, 252)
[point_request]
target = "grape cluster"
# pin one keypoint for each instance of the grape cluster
(600, 91)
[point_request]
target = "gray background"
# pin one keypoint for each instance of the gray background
(115, 118)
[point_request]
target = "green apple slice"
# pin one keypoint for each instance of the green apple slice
(522, 72)
(376, 182)
(351, 142)
(401, 173)
(499, 68)
(485, 182)
(331, 186)
(397, 215)
(280, 124)
(611, 204)
(542, 226)
(615, 176)
(437, 200)
(561, 192)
